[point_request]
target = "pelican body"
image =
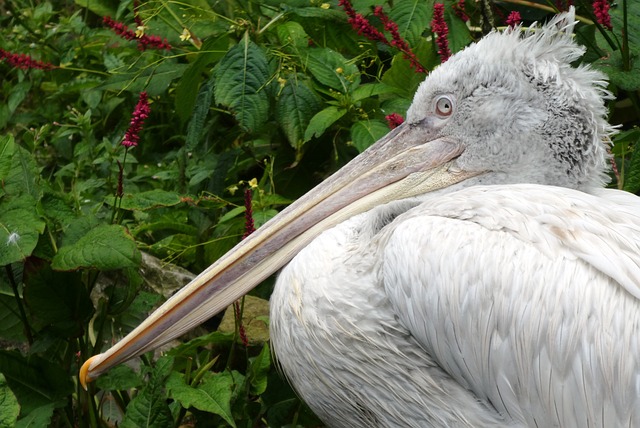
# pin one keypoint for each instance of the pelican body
(467, 270)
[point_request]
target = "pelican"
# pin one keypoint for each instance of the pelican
(467, 270)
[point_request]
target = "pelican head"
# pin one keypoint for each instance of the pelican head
(507, 109)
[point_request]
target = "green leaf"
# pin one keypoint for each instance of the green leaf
(119, 378)
(151, 199)
(295, 108)
(240, 80)
(412, 17)
(332, 69)
(187, 88)
(105, 247)
(10, 321)
(323, 120)
(39, 417)
(9, 407)
(612, 66)
(149, 408)
(367, 132)
(7, 148)
(213, 394)
(56, 299)
(459, 35)
(18, 94)
(200, 112)
(22, 176)
(153, 80)
(259, 371)
(370, 90)
(20, 228)
(632, 175)
(99, 7)
(402, 77)
(292, 34)
(35, 381)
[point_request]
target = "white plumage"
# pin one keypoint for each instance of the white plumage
(490, 306)
(468, 270)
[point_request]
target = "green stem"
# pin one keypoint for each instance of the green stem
(626, 58)
(117, 201)
(23, 314)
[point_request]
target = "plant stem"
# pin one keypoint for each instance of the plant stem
(23, 314)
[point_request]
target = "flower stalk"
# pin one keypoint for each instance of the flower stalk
(365, 28)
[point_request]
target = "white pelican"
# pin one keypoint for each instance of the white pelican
(468, 270)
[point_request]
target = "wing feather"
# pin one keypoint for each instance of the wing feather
(528, 296)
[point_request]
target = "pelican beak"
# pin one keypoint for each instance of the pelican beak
(410, 160)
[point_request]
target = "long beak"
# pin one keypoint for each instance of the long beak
(409, 161)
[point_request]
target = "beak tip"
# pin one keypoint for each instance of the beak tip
(84, 375)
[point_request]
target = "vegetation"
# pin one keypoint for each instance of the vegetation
(130, 127)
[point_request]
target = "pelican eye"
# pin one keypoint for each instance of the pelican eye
(444, 106)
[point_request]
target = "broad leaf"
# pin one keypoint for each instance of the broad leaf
(259, 371)
(106, 247)
(459, 35)
(332, 69)
(154, 81)
(156, 198)
(292, 34)
(212, 395)
(119, 378)
(372, 89)
(199, 117)
(149, 408)
(187, 88)
(35, 381)
(39, 417)
(367, 132)
(404, 78)
(58, 300)
(7, 148)
(241, 77)
(323, 120)
(295, 108)
(9, 407)
(632, 175)
(412, 17)
(20, 228)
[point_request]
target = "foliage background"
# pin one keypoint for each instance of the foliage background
(269, 96)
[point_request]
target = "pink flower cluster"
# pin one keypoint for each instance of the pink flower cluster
(144, 42)
(459, 10)
(364, 28)
(23, 61)
(249, 226)
(439, 27)
(141, 112)
(601, 11)
(513, 19)
(394, 120)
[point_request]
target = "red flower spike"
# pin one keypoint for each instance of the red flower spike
(440, 29)
(397, 41)
(364, 28)
(394, 120)
(23, 61)
(601, 11)
(513, 19)
(249, 226)
(144, 42)
(141, 112)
